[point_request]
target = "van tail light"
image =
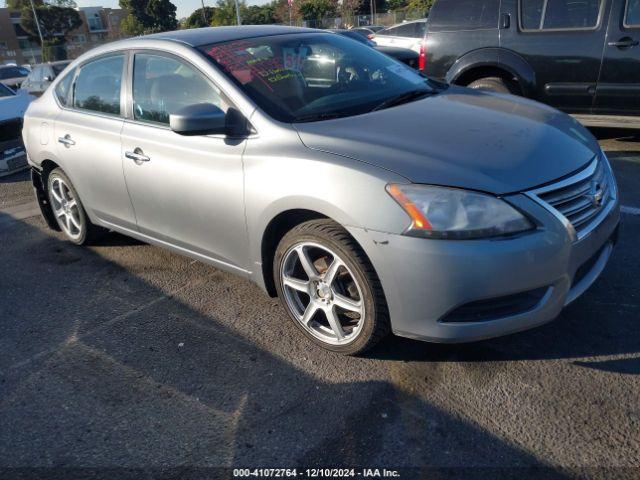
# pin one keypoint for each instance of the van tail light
(422, 56)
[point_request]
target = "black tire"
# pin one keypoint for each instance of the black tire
(495, 84)
(88, 232)
(331, 235)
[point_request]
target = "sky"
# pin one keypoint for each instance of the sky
(184, 7)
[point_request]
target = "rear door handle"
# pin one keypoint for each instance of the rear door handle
(626, 42)
(137, 156)
(66, 141)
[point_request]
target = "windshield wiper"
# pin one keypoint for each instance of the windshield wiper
(316, 117)
(403, 98)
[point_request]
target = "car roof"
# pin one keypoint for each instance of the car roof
(196, 37)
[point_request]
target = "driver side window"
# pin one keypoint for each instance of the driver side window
(163, 85)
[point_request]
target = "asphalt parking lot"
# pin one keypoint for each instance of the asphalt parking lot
(125, 355)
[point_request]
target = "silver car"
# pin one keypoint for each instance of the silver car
(368, 198)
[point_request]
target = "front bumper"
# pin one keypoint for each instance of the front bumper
(424, 280)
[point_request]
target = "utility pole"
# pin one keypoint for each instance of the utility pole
(204, 14)
(238, 13)
(372, 12)
(35, 17)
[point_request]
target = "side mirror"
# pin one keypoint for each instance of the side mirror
(198, 119)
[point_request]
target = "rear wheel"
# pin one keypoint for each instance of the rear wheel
(495, 84)
(68, 210)
(329, 288)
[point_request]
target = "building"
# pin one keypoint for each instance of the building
(99, 25)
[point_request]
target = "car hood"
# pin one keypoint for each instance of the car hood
(14, 106)
(462, 138)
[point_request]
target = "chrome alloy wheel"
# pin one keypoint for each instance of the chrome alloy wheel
(322, 292)
(65, 208)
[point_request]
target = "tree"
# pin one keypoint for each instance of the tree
(348, 10)
(259, 14)
(197, 18)
(225, 13)
(394, 5)
(318, 9)
(56, 19)
(148, 16)
(422, 6)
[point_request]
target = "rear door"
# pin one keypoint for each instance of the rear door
(618, 90)
(87, 132)
(563, 41)
(407, 35)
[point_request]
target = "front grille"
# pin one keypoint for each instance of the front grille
(10, 129)
(582, 197)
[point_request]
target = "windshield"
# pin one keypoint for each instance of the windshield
(309, 77)
(13, 72)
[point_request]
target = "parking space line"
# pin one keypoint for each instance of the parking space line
(630, 210)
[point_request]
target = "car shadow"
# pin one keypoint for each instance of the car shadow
(109, 363)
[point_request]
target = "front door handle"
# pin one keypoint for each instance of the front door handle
(626, 42)
(66, 141)
(137, 156)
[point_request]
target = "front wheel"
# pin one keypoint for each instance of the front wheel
(329, 288)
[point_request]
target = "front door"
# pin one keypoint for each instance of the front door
(562, 40)
(87, 132)
(618, 90)
(187, 191)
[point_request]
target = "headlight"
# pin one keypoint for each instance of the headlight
(451, 213)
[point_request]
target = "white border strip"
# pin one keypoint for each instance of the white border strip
(630, 210)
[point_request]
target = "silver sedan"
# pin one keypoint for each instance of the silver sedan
(368, 198)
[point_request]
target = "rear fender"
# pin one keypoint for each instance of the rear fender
(43, 199)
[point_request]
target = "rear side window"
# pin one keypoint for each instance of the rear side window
(97, 86)
(64, 88)
(447, 15)
(559, 14)
(632, 15)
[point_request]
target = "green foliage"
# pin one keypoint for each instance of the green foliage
(393, 5)
(420, 5)
(197, 19)
(318, 9)
(148, 16)
(55, 21)
(259, 14)
(225, 13)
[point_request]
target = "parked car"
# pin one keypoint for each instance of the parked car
(369, 31)
(12, 107)
(12, 76)
(369, 201)
(580, 56)
(42, 75)
(402, 54)
(406, 35)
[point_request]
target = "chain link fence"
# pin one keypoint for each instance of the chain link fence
(386, 19)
